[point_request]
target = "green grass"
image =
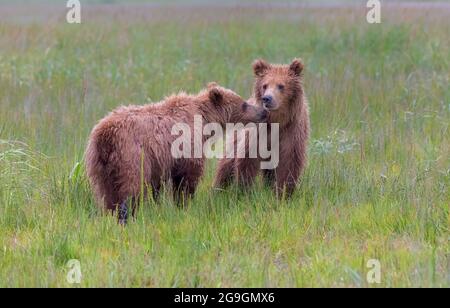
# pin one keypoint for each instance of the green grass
(377, 185)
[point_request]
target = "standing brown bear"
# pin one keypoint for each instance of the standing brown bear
(136, 141)
(279, 89)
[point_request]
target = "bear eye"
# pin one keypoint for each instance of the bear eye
(265, 87)
(280, 87)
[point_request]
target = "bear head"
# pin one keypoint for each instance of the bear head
(229, 107)
(278, 87)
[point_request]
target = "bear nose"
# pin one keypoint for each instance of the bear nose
(267, 101)
(245, 106)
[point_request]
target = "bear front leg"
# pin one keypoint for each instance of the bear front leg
(184, 189)
(269, 177)
(123, 210)
(288, 173)
(122, 213)
(286, 183)
(247, 170)
(185, 179)
(282, 181)
(225, 173)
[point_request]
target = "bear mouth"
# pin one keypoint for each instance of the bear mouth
(269, 108)
(264, 115)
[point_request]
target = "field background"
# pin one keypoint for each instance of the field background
(377, 185)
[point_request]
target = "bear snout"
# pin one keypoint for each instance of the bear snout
(245, 107)
(263, 115)
(268, 102)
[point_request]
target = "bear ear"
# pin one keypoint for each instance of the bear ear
(212, 84)
(296, 67)
(215, 95)
(260, 67)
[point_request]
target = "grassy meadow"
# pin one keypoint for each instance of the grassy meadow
(377, 184)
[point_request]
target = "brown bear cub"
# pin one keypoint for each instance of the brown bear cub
(278, 88)
(135, 142)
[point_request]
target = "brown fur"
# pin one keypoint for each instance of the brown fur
(290, 110)
(135, 137)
